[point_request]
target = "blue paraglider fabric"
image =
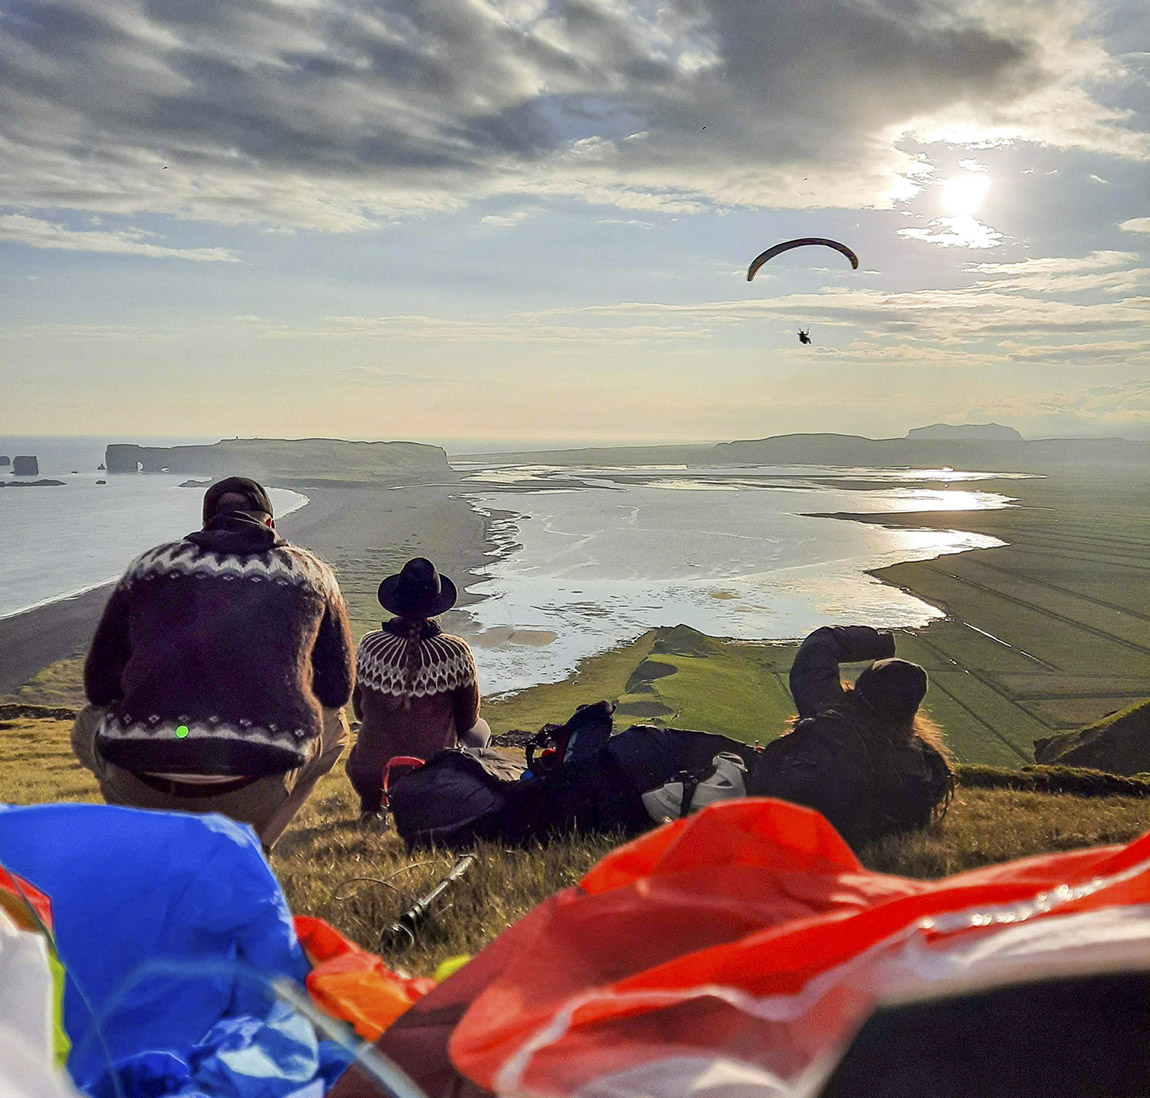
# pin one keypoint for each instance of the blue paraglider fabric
(161, 920)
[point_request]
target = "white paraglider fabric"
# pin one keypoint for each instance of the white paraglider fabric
(27, 1062)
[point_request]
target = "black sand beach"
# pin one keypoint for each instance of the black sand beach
(364, 532)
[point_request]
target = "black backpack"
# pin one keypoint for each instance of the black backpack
(580, 776)
(460, 796)
(598, 783)
(464, 795)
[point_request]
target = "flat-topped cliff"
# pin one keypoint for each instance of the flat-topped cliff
(273, 457)
(965, 430)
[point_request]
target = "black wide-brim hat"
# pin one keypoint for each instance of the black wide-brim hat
(418, 591)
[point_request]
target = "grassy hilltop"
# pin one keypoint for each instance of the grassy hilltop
(326, 847)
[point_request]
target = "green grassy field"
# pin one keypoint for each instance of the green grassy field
(1045, 634)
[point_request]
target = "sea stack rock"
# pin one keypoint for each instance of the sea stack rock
(122, 458)
(5, 461)
(25, 467)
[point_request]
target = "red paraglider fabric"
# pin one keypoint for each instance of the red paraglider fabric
(750, 938)
(18, 895)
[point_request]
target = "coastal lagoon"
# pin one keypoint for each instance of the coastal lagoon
(587, 559)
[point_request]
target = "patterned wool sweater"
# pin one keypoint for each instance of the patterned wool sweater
(444, 687)
(216, 653)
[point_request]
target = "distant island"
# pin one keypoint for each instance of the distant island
(989, 447)
(965, 430)
(1010, 453)
(271, 458)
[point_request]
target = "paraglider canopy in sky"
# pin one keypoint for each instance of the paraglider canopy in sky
(800, 242)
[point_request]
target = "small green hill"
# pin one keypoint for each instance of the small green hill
(1119, 743)
(682, 640)
(693, 681)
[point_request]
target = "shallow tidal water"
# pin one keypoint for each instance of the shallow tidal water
(592, 558)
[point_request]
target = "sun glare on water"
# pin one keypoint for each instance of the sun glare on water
(963, 195)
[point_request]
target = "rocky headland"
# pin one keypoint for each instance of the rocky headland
(333, 459)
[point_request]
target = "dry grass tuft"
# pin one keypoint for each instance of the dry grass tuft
(318, 859)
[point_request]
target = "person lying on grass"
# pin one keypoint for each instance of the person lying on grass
(219, 671)
(864, 756)
(417, 690)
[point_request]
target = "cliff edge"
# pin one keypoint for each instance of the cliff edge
(270, 458)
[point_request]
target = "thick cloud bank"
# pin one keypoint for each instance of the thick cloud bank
(337, 114)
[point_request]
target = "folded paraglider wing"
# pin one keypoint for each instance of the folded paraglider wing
(800, 242)
(170, 928)
(773, 946)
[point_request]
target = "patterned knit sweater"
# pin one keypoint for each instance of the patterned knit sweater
(216, 653)
(444, 663)
(444, 692)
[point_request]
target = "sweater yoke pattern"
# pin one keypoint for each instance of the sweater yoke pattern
(282, 564)
(445, 664)
(154, 727)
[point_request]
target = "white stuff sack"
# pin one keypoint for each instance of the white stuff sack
(727, 781)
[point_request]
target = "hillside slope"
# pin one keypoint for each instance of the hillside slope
(361, 877)
(1119, 743)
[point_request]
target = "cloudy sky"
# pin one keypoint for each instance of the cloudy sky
(468, 220)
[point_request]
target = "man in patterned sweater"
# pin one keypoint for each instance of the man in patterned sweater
(218, 672)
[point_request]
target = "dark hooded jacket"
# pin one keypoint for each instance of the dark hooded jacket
(867, 776)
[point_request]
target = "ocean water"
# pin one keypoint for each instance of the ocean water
(60, 541)
(592, 558)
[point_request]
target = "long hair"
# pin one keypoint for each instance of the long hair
(919, 725)
(412, 657)
(902, 732)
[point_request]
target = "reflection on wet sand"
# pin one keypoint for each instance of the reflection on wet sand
(745, 553)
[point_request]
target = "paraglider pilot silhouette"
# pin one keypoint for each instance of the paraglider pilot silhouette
(800, 242)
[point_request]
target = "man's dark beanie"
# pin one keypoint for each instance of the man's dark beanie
(893, 687)
(257, 497)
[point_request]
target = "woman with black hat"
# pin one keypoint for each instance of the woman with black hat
(865, 756)
(416, 691)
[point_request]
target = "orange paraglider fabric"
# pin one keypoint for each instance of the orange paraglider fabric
(750, 935)
(352, 984)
